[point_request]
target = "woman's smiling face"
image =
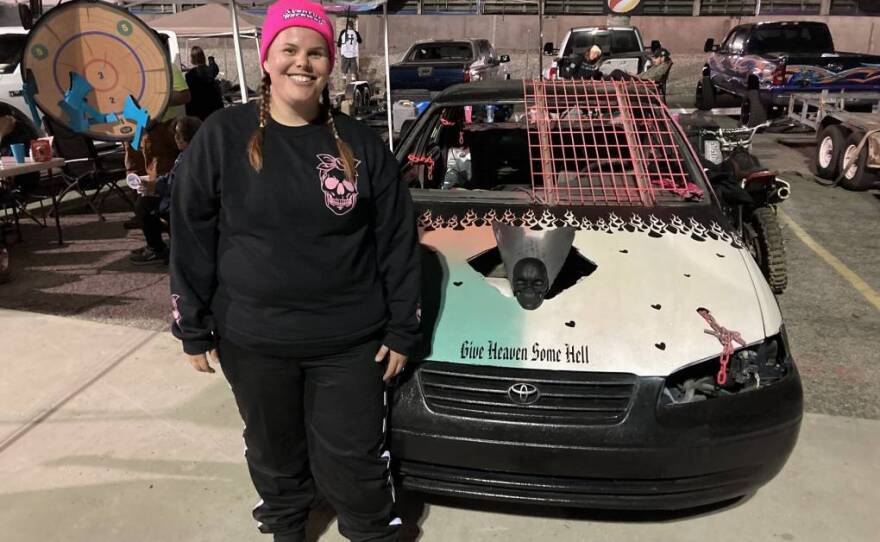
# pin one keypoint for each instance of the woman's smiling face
(298, 64)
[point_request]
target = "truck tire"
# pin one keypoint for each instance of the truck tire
(705, 97)
(752, 112)
(763, 237)
(857, 176)
(829, 146)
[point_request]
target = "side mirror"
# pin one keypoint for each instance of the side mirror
(549, 50)
(26, 16)
(655, 45)
(709, 46)
(504, 59)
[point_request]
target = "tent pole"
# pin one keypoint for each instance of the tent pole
(540, 39)
(387, 78)
(239, 61)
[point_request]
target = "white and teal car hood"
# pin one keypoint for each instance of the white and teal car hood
(635, 312)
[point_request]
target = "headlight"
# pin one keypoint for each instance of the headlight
(750, 368)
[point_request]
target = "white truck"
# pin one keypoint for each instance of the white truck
(622, 48)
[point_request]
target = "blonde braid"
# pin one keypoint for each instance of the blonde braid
(345, 152)
(255, 145)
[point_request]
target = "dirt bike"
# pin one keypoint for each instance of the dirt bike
(749, 194)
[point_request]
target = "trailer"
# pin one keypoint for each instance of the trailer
(847, 141)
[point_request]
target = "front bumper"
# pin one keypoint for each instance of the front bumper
(649, 457)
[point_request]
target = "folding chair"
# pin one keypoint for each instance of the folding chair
(85, 168)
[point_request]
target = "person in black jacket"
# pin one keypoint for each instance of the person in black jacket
(203, 85)
(295, 265)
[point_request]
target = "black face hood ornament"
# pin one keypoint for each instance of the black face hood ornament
(532, 259)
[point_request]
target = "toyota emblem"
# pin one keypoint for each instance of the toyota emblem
(523, 394)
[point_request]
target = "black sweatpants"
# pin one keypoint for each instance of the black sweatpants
(146, 210)
(315, 425)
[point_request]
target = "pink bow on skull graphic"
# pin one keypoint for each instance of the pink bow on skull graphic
(340, 194)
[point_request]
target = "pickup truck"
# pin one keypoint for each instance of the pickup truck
(622, 49)
(435, 65)
(777, 59)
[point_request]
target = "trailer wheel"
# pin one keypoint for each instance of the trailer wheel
(857, 176)
(829, 146)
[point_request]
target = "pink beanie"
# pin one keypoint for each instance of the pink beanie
(286, 13)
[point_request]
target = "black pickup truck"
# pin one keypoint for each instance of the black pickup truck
(438, 64)
(779, 58)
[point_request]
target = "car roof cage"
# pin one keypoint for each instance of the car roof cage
(598, 142)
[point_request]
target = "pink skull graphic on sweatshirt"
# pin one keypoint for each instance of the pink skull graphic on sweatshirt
(340, 194)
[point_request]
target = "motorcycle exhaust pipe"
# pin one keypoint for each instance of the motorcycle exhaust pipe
(783, 190)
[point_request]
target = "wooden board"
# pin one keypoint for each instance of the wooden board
(117, 53)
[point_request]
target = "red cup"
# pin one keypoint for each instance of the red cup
(41, 150)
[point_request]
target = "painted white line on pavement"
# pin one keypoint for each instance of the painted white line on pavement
(856, 281)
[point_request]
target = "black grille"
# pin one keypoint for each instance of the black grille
(564, 397)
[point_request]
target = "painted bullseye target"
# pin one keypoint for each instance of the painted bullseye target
(84, 59)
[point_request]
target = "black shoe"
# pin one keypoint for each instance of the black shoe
(132, 224)
(139, 250)
(149, 257)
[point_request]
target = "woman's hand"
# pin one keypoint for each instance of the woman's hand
(200, 361)
(396, 362)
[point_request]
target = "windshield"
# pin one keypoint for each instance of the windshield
(791, 39)
(441, 51)
(579, 42)
(614, 42)
(11, 47)
(580, 155)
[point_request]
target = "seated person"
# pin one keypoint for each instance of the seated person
(586, 67)
(657, 71)
(155, 202)
(17, 128)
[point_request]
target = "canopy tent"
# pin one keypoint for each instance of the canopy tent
(240, 23)
(210, 20)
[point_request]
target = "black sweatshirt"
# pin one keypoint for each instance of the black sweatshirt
(293, 260)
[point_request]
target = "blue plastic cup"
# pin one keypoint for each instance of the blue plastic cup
(18, 152)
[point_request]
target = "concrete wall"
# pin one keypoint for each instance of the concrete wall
(681, 35)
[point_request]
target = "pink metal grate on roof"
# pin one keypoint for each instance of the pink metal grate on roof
(605, 143)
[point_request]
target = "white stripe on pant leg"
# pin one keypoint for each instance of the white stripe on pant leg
(386, 455)
(259, 504)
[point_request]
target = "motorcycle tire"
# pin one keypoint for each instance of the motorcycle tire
(829, 146)
(763, 238)
(857, 176)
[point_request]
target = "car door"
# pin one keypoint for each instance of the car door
(723, 62)
(11, 49)
(488, 69)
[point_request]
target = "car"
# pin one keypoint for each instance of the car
(622, 49)
(12, 43)
(437, 64)
(596, 333)
(776, 59)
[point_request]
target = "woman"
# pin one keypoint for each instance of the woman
(203, 85)
(294, 255)
(155, 201)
